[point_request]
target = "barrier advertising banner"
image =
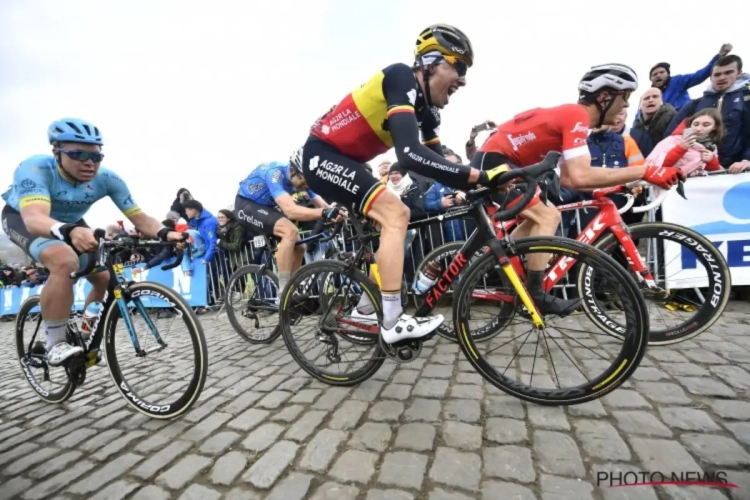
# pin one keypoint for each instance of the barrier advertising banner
(718, 207)
(194, 288)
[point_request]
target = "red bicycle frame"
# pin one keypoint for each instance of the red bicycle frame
(608, 218)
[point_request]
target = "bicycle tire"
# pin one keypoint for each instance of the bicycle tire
(244, 271)
(195, 330)
(55, 397)
(285, 314)
(633, 346)
(719, 279)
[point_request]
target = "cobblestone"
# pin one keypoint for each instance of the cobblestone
(433, 429)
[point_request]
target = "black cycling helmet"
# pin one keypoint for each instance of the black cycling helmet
(448, 40)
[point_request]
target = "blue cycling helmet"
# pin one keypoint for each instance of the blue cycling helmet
(74, 130)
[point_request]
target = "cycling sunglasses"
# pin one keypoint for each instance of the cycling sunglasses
(83, 156)
(460, 67)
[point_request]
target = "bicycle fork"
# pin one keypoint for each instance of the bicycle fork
(513, 276)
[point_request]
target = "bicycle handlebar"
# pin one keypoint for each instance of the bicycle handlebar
(94, 257)
(532, 175)
(663, 193)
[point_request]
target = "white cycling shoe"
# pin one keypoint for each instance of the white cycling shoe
(408, 327)
(62, 352)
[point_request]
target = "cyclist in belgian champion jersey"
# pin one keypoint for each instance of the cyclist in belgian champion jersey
(390, 110)
(272, 185)
(44, 210)
(603, 92)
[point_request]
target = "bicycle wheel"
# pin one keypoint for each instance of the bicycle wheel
(328, 323)
(168, 400)
(695, 248)
(254, 290)
(32, 358)
(600, 375)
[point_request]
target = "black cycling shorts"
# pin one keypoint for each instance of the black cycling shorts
(32, 244)
(337, 178)
(256, 218)
(487, 161)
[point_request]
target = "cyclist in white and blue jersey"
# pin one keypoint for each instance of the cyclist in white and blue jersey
(44, 213)
(265, 206)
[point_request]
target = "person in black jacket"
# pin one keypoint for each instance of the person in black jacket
(183, 195)
(411, 193)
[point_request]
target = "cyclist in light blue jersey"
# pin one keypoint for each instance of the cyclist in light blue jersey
(264, 206)
(44, 213)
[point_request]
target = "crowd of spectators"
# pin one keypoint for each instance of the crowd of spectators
(709, 133)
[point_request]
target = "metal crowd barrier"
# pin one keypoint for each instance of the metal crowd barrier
(427, 239)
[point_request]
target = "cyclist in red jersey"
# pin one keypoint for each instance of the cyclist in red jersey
(603, 92)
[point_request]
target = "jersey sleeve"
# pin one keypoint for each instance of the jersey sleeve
(573, 122)
(274, 178)
(119, 193)
(399, 89)
(31, 184)
(431, 129)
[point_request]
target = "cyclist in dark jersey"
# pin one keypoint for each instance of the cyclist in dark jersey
(390, 110)
(264, 206)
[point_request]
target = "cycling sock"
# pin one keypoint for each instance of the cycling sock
(283, 280)
(392, 308)
(55, 331)
(535, 281)
(364, 306)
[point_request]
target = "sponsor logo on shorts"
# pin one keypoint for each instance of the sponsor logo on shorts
(249, 219)
(335, 174)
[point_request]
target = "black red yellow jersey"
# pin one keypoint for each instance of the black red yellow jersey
(358, 126)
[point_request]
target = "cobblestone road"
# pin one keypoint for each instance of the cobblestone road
(431, 429)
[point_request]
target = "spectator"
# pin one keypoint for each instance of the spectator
(113, 231)
(675, 88)
(471, 147)
(439, 199)
(652, 121)
(206, 224)
(729, 92)
(10, 277)
(695, 152)
(178, 205)
(179, 223)
(383, 170)
(610, 147)
(165, 253)
(232, 239)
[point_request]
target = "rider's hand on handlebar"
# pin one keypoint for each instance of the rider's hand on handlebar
(488, 178)
(83, 239)
(664, 177)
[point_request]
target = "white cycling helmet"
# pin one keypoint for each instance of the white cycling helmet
(295, 161)
(614, 76)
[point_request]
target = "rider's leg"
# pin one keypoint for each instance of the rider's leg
(99, 283)
(542, 219)
(57, 299)
(288, 255)
(393, 216)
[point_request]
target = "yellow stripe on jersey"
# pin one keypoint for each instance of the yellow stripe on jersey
(371, 104)
(432, 141)
(132, 211)
(33, 200)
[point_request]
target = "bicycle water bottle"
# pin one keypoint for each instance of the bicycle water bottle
(89, 317)
(426, 278)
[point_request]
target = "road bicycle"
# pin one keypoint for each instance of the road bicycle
(252, 290)
(123, 301)
(607, 232)
(481, 255)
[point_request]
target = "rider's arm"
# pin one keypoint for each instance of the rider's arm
(577, 173)
(296, 212)
(119, 193)
(319, 202)
(400, 85)
(34, 199)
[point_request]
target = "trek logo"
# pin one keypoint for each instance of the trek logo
(563, 263)
(737, 252)
(521, 139)
(579, 127)
(442, 284)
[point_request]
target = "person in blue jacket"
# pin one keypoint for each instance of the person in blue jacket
(198, 247)
(674, 88)
(205, 223)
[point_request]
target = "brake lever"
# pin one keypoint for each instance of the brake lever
(681, 189)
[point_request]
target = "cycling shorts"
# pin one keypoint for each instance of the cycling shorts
(256, 218)
(338, 178)
(486, 160)
(32, 244)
